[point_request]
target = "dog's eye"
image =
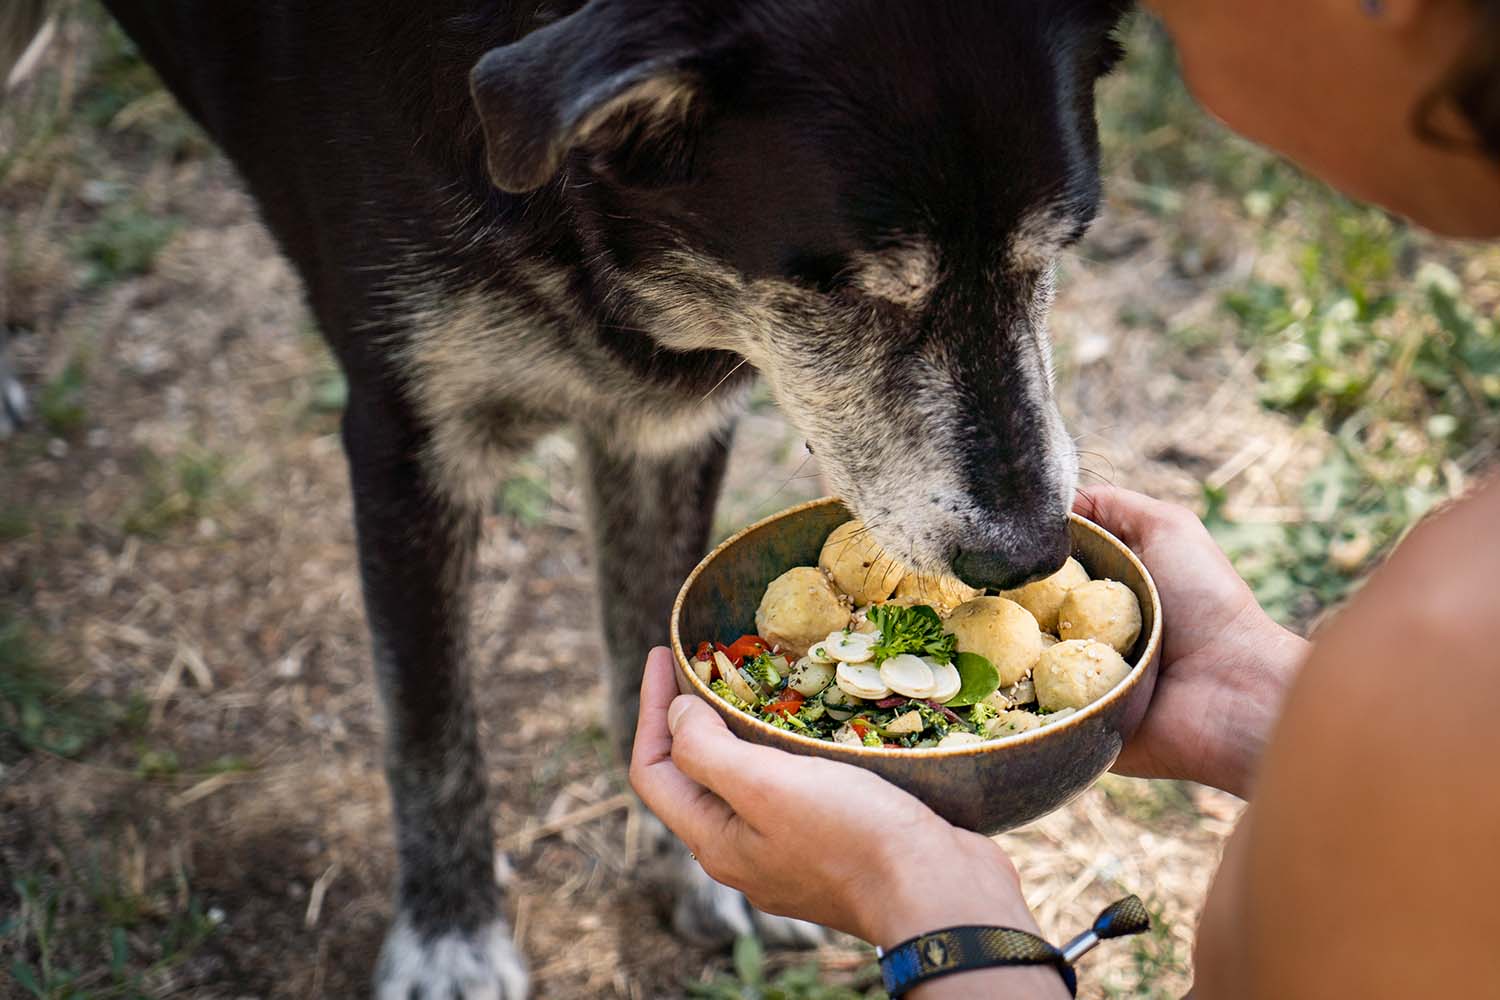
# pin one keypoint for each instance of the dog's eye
(826, 273)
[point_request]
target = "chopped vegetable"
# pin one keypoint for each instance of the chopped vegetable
(788, 702)
(905, 674)
(722, 689)
(905, 724)
(850, 647)
(811, 675)
(764, 673)
(704, 669)
(981, 715)
(978, 679)
(917, 630)
(732, 677)
(746, 647)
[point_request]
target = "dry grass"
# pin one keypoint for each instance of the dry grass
(177, 556)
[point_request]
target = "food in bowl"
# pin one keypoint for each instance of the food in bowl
(857, 651)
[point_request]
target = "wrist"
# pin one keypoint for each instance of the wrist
(945, 878)
(963, 879)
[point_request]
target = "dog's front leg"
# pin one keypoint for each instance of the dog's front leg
(449, 939)
(652, 517)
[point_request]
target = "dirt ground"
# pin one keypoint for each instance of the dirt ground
(181, 549)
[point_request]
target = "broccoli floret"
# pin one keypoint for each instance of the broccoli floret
(936, 721)
(872, 739)
(980, 715)
(763, 673)
(781, 721)
(720, 688)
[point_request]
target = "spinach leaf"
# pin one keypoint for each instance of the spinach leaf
(978, 680)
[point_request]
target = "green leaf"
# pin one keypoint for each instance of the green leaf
(22, 971)
(749, 960)
(917, 630)
(119, 952)
(978, 678)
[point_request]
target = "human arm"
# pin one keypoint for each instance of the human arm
(1366, 865)
(1225, 664)
(823, 841)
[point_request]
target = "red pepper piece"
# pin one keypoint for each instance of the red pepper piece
(789, 702)
(746, 647)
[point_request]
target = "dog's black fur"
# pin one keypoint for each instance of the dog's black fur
(515, 216)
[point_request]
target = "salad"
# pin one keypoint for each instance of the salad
(902, 684)
(900, 672)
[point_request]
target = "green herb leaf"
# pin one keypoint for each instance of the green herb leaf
(917, 630)
(978, 679)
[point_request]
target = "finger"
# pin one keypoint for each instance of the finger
(692, 812)
(1129, 515)
(653, 741)
(756, 781)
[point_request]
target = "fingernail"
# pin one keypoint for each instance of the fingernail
(675, 711)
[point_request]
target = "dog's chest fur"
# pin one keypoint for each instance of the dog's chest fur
(491, 364)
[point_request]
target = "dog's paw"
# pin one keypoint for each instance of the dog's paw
(710, 915)
(482, 965)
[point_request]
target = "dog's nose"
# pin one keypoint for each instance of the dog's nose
(1013, 565)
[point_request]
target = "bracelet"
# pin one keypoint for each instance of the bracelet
(963, 949)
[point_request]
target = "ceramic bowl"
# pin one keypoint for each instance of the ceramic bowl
(988, 787)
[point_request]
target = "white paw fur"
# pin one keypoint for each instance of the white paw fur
(12, 401)
(483, 965)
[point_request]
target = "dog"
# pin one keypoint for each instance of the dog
(515, 217)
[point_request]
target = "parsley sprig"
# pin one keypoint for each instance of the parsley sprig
(917, 630)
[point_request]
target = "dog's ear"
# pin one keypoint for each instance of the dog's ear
(619, 86)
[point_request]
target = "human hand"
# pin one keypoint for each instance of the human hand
(820, 840)
(1224, 662)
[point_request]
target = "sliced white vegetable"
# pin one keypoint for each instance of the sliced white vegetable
(907, 722)
(959, 739)
(839, 703)
(1057, 716)
(906, 674)
(851, 647)
(703, 668)
(862, 681)
(945, 680)
(838, 696)
(1011, 722)
(737, 684)
(810, 676)
(819, 651)
(845, 734)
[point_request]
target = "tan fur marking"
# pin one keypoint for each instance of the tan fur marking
(1039, 238)
(904, 275)
(662, 100)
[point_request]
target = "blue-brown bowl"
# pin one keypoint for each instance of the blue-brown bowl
(989, 787)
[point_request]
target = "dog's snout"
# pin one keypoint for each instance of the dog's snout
(1008, 566)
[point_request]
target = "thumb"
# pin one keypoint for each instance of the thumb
(689, 708)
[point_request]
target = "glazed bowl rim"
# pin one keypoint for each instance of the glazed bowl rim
(1099, 705)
